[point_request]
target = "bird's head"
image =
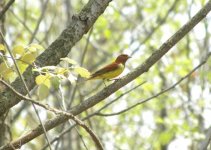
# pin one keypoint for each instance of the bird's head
(122, 58)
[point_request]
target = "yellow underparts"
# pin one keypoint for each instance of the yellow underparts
(111, 74)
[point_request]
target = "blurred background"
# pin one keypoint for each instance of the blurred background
(175, 119)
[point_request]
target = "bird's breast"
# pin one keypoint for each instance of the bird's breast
(114, 73)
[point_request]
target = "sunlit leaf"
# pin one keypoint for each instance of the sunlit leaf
(32, 49)
(82, 72)
(22, 66)
(43, 79)
(19, 49)
(6, 72)
(70, 61)
(29, 58)
(10, 75)
(37, 46)
(2, 48)
(3, 67)
(60, 70)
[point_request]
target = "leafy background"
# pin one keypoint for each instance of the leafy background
(177, 119)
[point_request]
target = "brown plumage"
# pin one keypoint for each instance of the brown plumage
(112, 70)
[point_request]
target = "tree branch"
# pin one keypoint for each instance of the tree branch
(18, 144)
(125, 80)
(204, 145)
(159, 93)
(58, 49)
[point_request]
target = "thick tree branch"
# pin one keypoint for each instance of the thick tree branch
(58, 49)
(131, 76)
(16, 144)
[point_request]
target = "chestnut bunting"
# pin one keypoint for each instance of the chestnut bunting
(112, 70)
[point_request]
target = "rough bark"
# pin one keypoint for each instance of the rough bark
(93, 100)
(80, 25)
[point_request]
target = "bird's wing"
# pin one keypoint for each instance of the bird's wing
(105, 69)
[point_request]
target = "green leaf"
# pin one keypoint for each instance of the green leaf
(43, 91)
(55, 82)
(70, 61)
(82, 72)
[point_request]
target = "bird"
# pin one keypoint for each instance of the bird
(112, 70)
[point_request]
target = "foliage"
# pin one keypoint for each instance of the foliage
(177, 119)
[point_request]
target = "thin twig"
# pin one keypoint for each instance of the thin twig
(100, 96)
(57, 112)
(153, 29)
(23, 24)
(81, 64)
(44, 8)
(93, 114)
(26, 88)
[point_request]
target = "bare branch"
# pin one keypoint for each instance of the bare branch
(157, 55)
(22, 140)
(53, 54)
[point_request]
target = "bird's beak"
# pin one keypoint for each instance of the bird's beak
(129, 57)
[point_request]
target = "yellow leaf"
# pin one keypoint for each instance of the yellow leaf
(29, 58)
(6, 72)
(2, 48)
(3, 67)
(22, 66)
(19, 49)
(37, 46)
(10, 75)
(70, 61)
(32, 49)
(82, 72)
(61, 70)
(43, 79)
